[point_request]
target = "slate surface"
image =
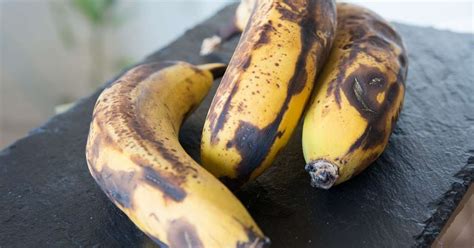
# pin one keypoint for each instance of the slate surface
(49, 199)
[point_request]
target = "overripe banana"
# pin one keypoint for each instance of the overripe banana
(266, 86)
(134, 154)
(234, 27)
(357, 98)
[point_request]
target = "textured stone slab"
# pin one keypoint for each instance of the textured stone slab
(49, 199)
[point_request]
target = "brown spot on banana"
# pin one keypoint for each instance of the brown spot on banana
(217, 120)
(253, 145)
(243, 132)
(164, 184)
(363, 86)
(264, 35)
(183, 234)
(376, 120)
(117, 185)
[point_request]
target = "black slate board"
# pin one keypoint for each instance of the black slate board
(48, 198)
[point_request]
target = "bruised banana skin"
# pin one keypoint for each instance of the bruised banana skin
(357, 99)
(134, 154)
(266, 86)
(235, 26)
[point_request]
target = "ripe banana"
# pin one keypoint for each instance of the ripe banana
(235, 26)
(266, 86)
(357, 98)
(134, 154)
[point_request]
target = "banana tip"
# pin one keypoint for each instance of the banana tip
(323, 173)
(263, 242)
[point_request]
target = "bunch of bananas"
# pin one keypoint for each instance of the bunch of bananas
(348, 60)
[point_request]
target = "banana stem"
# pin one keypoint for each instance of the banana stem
(217, 69)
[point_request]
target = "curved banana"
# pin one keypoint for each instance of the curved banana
(134, 154)
(266, 86)
(358, 98)
(235, 26)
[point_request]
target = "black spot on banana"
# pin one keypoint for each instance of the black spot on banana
(266, 86)
(357, 98)
(134, 154)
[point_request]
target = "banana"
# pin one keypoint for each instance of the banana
(357, 98)
(134, 154)
(234, 27)
(266, 86)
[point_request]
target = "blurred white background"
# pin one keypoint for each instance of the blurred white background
(54, 52)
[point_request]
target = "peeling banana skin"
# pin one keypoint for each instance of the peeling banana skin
(134, 155)
(266, 86)
(357, 99)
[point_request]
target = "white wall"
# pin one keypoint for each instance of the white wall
(451, 15)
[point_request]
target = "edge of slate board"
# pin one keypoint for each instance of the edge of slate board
(446, 204)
